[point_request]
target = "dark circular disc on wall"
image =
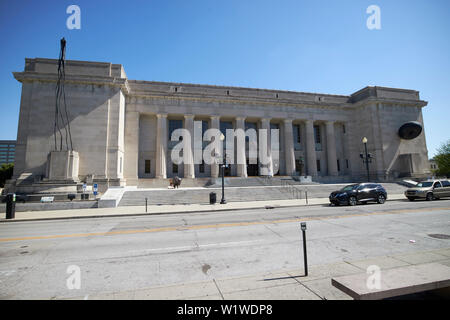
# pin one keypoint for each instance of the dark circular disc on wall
(410, 130)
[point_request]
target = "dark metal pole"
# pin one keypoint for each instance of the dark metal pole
(145, 205)
(367, 162)
(223, 201)
(305, 257)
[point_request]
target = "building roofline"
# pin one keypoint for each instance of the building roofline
(234, 87)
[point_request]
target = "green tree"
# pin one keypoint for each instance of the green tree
(443, 160)
(6, 172)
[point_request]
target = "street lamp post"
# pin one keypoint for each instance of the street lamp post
(223, 201)
(367, 158)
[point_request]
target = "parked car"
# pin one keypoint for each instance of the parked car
(429, 190)
(359, 193)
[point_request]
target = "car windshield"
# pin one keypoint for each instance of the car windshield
(424, 184)
(348, 188)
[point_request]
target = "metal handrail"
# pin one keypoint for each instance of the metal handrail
(289, 187)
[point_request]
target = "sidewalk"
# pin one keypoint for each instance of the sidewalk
(166, 209)
(279, 285)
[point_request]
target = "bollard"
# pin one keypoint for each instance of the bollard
(306, 195)
(146, 205)
(305, 258)
(10, 206)
(212, 198)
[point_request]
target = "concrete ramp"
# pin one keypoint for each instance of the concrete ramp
(111, 198)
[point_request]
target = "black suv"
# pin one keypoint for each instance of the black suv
(362, 192)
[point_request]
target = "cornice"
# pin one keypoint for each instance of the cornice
(28, 76)
(390, 101)
(242, 101)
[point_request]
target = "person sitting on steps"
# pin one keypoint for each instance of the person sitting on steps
(175, 182)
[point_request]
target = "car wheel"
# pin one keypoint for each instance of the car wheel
(352, 201)
(381, 199)
(410, 198)
(430, 197)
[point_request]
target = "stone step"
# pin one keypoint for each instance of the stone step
(196, 196)
(236, 194)
(217, 182)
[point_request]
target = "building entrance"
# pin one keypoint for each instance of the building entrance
(252, 169)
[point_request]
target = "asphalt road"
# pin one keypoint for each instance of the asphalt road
(130, 253)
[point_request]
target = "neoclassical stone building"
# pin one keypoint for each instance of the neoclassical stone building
(121, 128)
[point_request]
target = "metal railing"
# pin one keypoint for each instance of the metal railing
(292, 189)
(266, 180)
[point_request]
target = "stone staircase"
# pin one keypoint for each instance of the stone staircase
(217, 182)
(236, 194)
(201, 195)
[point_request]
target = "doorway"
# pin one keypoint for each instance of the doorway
(252, 169)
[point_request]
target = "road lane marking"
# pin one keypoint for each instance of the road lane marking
(218, 225)
(193, 247)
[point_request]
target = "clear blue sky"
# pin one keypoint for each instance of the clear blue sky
(312, 46)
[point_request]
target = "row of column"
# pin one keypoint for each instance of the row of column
(189, 170)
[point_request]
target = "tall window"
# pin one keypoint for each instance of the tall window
(250, 125)
(317, 134)
(147, 166)
(318, 138)
(338, 165)
(201, 167)
(224, 125)
(296, 129)
(298, 166)
(173, 125)
(318, 165)
(275, 126)
(204, 127)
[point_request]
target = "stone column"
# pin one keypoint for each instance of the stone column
(189, 171)
(331, 149)
(289, 147)
(311, 163)
(161, 146)
(265, 124)
(346, 144)
(115, 141)
(131, 160)
(240, 150)
(215, 124)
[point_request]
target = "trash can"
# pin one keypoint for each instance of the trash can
(212, 198)
(10, 206)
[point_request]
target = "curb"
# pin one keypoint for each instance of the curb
(4, 220)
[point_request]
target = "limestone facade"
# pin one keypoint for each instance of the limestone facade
(121, 127)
